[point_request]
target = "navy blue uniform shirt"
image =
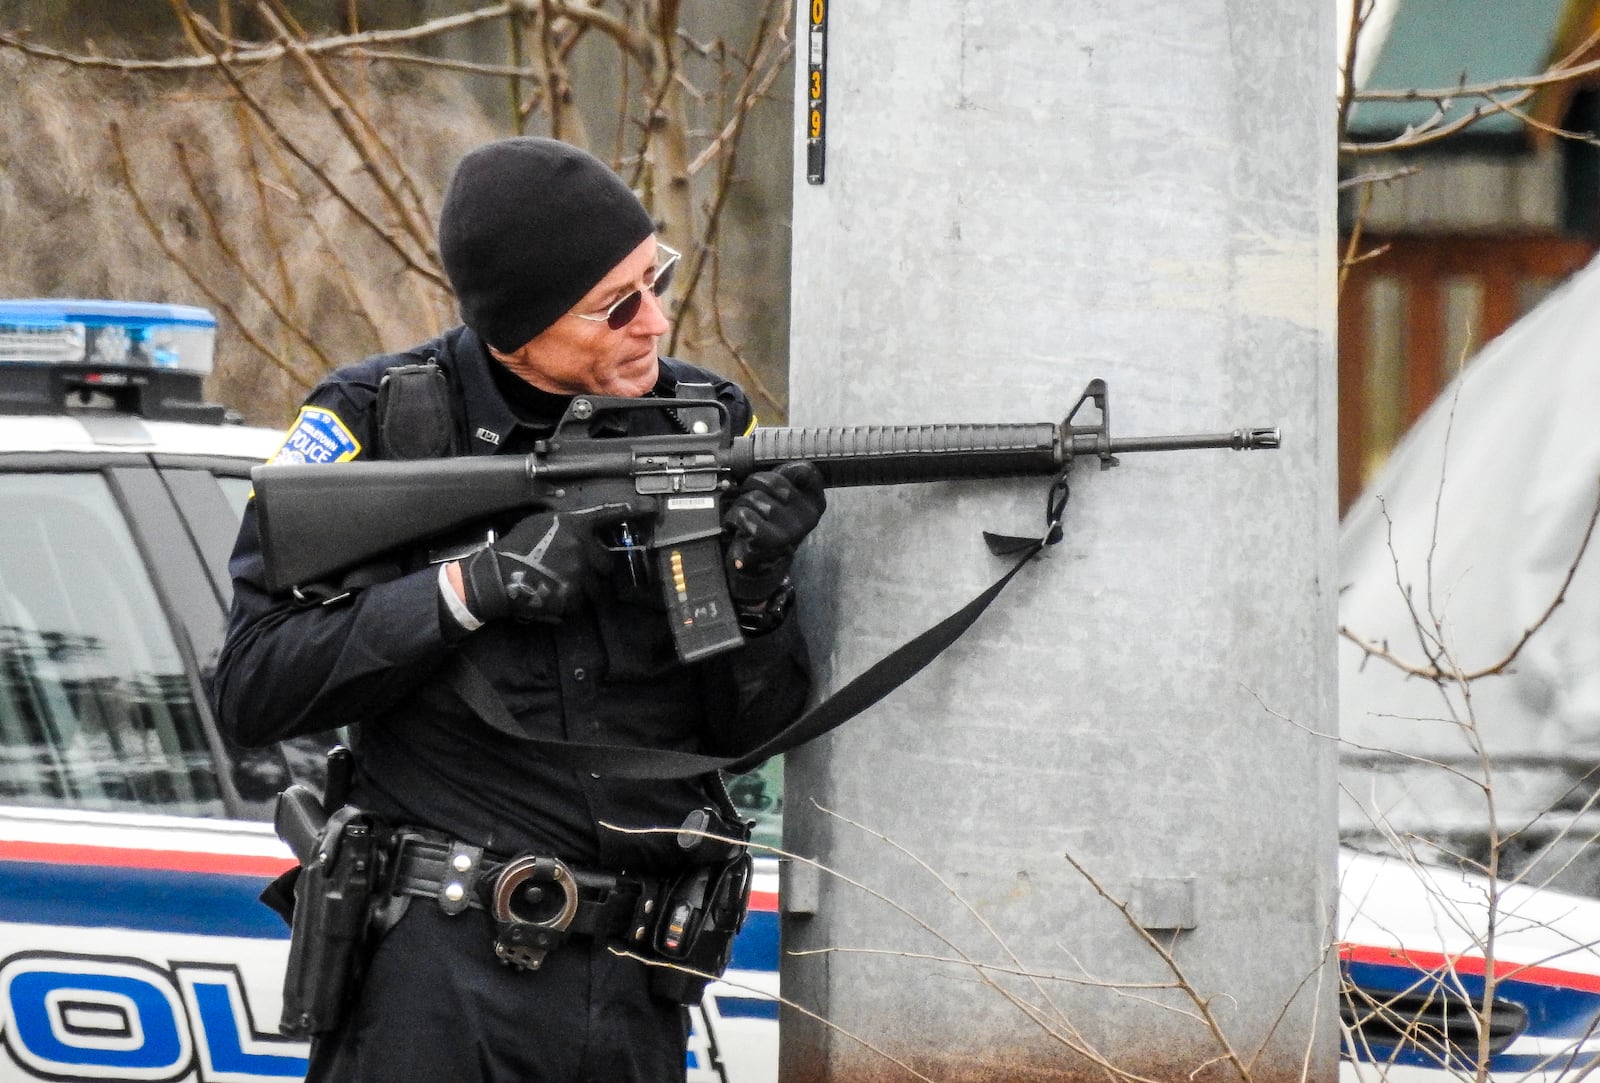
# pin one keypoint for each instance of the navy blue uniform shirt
(609, 673)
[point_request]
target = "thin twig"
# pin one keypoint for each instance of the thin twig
(1431, 671)
(989, 968)
(1568, 69)
(200, 281)
(1384, 176)
(305, 159)
(785, 1001)
(377, 158)
(220, 237)
(1202, 1004)
(413, 263)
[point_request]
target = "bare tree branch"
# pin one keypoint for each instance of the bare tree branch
(201, 282)
(219, 235)
(244, 54)
(1431, 670)
(379, 161)
(411, 261)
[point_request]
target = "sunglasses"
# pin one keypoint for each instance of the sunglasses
(622, 313)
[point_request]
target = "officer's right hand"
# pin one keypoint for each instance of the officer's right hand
(770, 516)
(539, 570)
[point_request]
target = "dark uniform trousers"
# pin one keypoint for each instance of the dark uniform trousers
(450, 1012)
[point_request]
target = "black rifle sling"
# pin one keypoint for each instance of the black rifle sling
(866, 689)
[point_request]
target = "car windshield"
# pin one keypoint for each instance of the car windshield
(96, 708)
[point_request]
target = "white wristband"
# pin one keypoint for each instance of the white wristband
(458, 609)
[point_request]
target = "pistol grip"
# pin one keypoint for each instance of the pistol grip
(299, 820)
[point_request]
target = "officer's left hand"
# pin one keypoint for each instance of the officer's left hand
(541, 569)
(770, 516)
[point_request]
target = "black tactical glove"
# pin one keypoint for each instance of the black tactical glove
(770, 516)
(539, 569)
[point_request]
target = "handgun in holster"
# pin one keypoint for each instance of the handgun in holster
(332, 910)
(702, 910)
(299, 818)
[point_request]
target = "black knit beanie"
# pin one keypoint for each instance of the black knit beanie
(527, 228)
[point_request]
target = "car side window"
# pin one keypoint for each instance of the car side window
(758, 795)
(212, 503)
(237, 493)
(96, 709)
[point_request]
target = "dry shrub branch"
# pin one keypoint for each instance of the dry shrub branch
(1506, 97)
(1509, 851)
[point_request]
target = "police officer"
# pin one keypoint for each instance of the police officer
(558, 275)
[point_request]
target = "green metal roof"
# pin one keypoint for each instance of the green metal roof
(1438, 44)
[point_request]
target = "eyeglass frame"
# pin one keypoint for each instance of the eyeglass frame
(657, 286)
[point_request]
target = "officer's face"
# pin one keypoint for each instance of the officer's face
(582, 353)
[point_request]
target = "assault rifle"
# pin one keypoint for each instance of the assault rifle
(317, 521)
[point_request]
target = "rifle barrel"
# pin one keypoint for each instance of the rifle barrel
(1237, 440)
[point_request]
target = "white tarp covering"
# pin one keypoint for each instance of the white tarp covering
(1478, 517)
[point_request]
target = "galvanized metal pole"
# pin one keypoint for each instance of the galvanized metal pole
(1098, 834)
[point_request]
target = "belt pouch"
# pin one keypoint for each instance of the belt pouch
(328, 940)
(702, 911)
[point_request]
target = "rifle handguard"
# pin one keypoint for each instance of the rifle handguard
(896, 454)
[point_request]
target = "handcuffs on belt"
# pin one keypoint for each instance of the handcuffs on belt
(533, 901)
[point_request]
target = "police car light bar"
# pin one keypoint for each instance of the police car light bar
(129, 357)
(109, 334)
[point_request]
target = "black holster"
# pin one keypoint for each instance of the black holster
(333, 899)
(702, 910)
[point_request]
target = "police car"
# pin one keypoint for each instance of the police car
(133, 840)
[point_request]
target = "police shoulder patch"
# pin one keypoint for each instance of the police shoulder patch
(318, 435)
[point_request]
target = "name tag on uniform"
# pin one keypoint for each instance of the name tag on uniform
(317, 436)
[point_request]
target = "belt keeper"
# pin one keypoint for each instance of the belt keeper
(459, 885)
(645, 909)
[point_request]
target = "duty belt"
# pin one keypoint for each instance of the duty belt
(536, 902)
